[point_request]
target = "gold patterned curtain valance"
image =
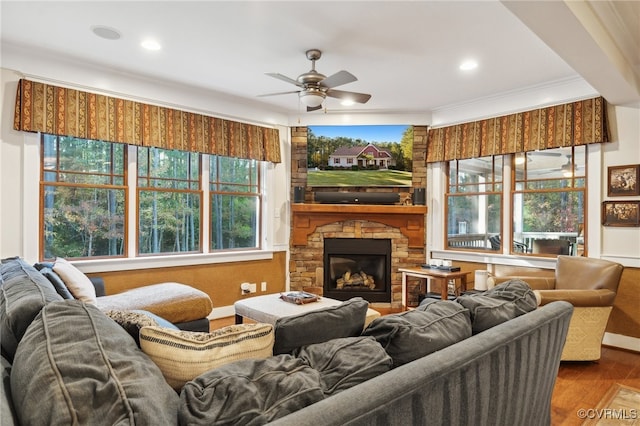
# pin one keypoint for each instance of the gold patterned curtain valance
(45, 108)
(576, 123)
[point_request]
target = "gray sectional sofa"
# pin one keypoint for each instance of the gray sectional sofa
(66, 362)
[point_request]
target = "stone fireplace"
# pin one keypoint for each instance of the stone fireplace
(313, 223)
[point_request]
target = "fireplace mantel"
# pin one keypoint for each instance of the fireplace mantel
(409, 219)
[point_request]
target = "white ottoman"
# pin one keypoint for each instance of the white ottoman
(270, 307)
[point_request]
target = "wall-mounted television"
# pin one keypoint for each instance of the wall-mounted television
(359, 155)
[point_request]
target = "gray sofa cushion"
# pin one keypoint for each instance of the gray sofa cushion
(74, 365)
(23, 293)
(344, 320)
(7, 412)
(250, 392)
(410, 335)
(503, 302)
(347, 362)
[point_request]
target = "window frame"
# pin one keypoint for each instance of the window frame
(448, 194)
(189, 181)
(131, 259)
(43, 183)
(257, 194)
(573, 188)
(592, 152)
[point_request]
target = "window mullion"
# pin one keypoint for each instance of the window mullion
(132, 204)
(206, 203)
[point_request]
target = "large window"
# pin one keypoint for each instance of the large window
(549, 200)
(86, 195)
(83, 206)
(474, 203)
(235, 203)
(548, 190)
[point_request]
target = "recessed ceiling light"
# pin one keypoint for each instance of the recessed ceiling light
(106, 32)
(347, 102)
(151, 45)
(468, 65)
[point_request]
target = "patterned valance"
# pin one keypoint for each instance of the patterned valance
(576, 123)
(61, 111)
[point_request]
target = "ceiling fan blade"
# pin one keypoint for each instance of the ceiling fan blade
(284, 78)
(314, 108)
(361, 98)
(338, 79)
(279, 93)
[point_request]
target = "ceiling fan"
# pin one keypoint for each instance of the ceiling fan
(315, 87)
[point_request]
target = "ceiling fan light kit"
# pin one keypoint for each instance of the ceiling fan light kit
(315, 87)
(311, 99)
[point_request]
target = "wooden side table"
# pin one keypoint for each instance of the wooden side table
(439, 276)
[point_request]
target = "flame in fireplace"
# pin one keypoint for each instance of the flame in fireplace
(359, 279)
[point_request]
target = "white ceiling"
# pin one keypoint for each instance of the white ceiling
(405, 53)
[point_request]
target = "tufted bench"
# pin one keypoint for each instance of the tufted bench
(269, 308)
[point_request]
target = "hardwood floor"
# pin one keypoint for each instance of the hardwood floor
(580, 385)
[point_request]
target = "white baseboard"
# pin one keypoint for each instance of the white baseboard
(621, 341)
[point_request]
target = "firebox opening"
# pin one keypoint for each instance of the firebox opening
(357, 267)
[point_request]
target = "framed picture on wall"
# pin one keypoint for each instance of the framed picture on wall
(621, 213)
(623, 180)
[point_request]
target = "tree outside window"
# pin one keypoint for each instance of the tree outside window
(83, 198)
(85, 192)
(168, 201)
(549, 200)
(235, 203)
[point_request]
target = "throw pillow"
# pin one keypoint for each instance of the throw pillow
(57, 282)
(343, 320)
(347, 362)
(76, 366)
(184, 355)
(503, 302)
(24, 292)
(133, 321)
(250, 392)
(410, 335)
(76, 281)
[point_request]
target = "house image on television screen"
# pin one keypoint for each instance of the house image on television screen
(369, 156)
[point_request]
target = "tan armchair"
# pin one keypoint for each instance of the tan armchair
(590, 285)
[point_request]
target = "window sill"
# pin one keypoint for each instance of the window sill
(496, 259)
(152, 262)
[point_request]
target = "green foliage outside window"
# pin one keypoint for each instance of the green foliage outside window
(168, 201)
(235, 196)
(83, 204)
(84, 200)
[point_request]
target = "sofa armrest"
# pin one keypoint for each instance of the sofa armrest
(578, 298)
(98, 283)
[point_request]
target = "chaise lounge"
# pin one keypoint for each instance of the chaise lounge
(182, 305)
